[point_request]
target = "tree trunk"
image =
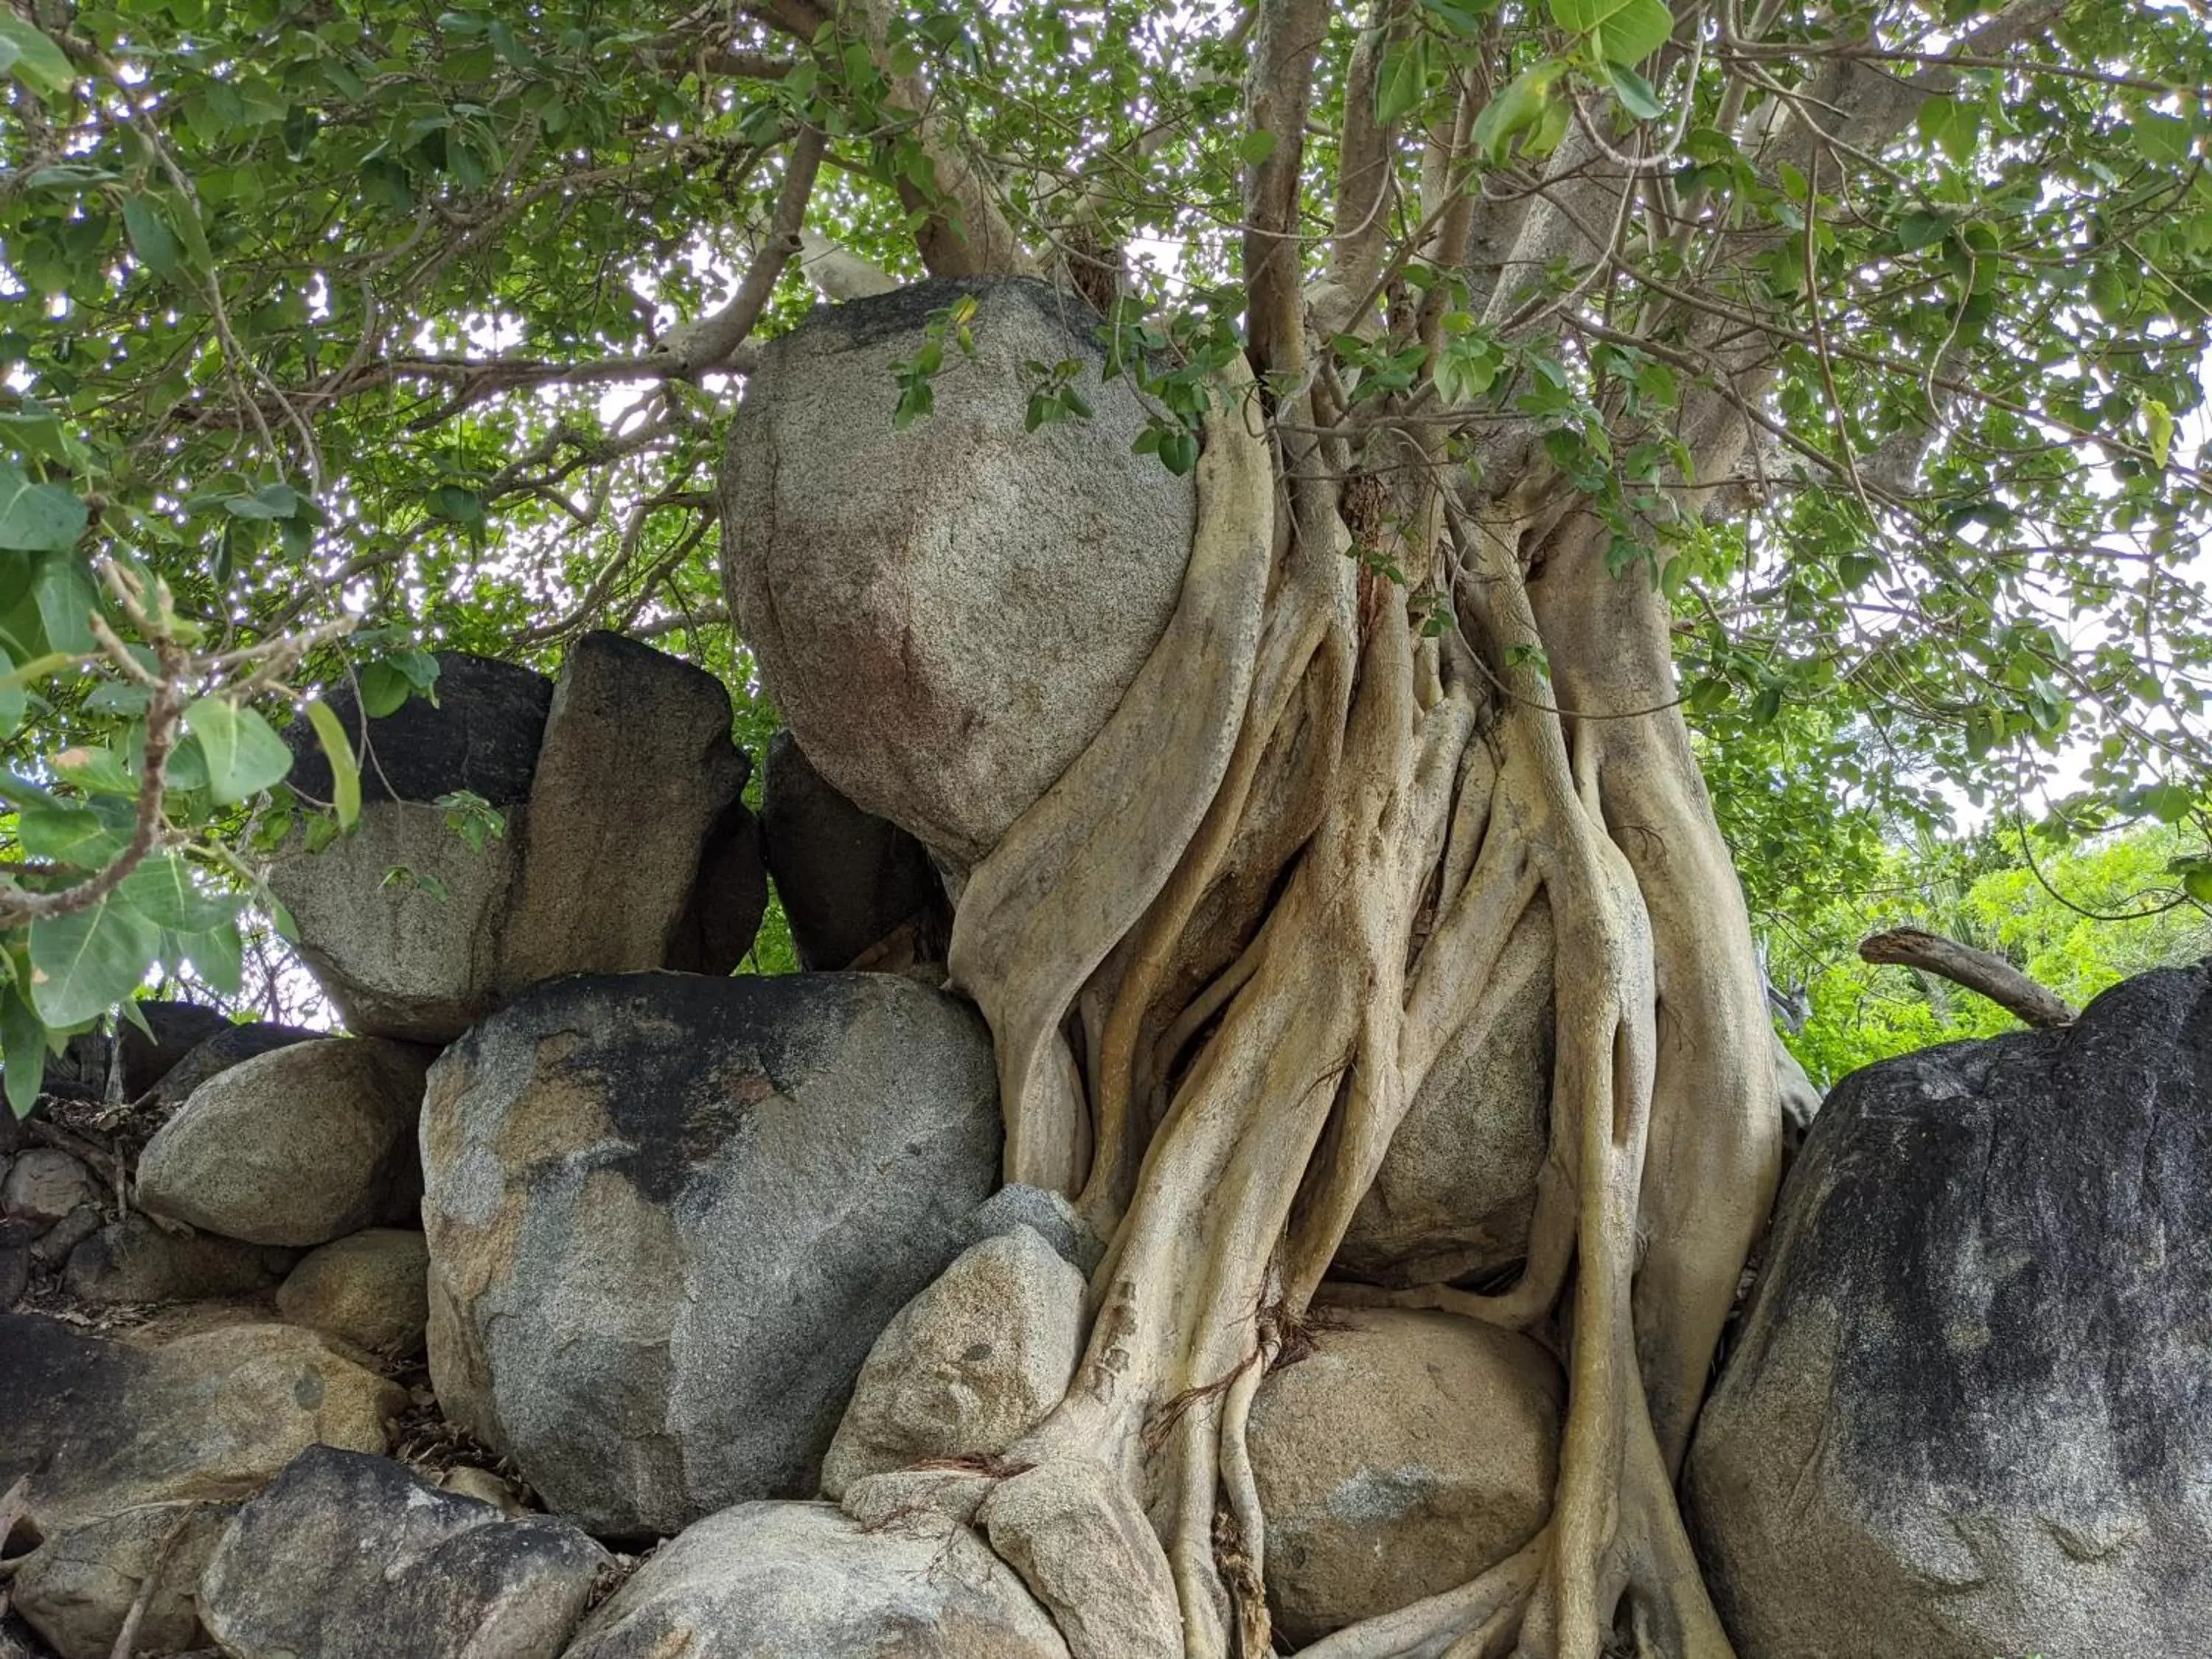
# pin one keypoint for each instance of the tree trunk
(1342, 814)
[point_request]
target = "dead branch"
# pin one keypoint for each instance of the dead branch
(1979, 971)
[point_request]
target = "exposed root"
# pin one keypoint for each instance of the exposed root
(1402, 824)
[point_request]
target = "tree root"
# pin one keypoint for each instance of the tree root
(1234, 1118)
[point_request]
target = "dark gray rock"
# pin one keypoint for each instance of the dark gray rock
(294, 1147)
(803, 1581)
(947, 614)
(667, 1215)
(847, 878)
(80, 1072)
(480, 734)
(728, 901)
(77, 1588)
(1970, 1411)
(134, 1260)
(100, 1427)
(349, 1557)
(58, 1241)
(636, 771)
(225, 1050)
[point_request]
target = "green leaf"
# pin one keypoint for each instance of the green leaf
(62, 589)
(1404, 79)
(74, 835)
(219, 956)
(1619, 31)
(97, 772)
(1517, 109)
(22, 1050)
(2159, 419)
(85, 963)
(37, 517)
(1255, 147)
(1919, 230)
(35, 60)
(243, 755)
(1636, 94)
(151, 239)
(345, 772)
(13, 700)
(163, 891)
(383, 689)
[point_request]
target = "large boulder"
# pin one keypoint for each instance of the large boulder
(370, 1290)
(667, 1215)
(219, 1053)
(947, 612)
(967, 1367)
(417, 956)
(349, 1557)
(1970, 1410)
(644, 857)
(847, 878)
(635, 771)
(479, 731)
(100, 1426)
(1457, 1187)
(77, 1588)
(802, 1581)
(1403, 1456)
(297, 1146)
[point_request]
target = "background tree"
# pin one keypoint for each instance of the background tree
(1555, 375)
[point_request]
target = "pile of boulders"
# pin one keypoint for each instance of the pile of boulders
(578, 1248)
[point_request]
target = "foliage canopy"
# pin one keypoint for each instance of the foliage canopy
(337, 329)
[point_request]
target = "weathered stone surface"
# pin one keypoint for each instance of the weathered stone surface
(415, 958)
(1046, 1214)
(1457, 1187)
(225, 1050)
(77, 1589)
(968, 1366)
(802, 1581)
(43, 1185)
(134, 1260)
(1083, 1547)
(1970, 1411)
(846, 877)
(297, 1146)
(349, 1557)
(371, 1288)
(1406, 1454)
(100, 1426)
(667, 1215)
(729, 898)
(637, 767)
(946, 615)
(481, 734)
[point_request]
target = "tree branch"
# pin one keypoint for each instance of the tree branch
(1276, 96)
(1979, 971)
(711, 342)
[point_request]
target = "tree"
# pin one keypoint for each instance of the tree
(1563, 375)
